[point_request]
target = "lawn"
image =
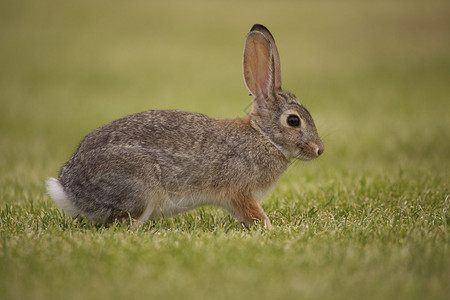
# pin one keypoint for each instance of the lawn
(367, 220)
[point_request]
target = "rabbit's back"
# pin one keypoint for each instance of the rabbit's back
(150, 129)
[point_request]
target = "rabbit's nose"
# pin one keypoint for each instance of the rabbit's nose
(318, 148)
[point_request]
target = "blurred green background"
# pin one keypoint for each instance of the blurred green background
(375, 76)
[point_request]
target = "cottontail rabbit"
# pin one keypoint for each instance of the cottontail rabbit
(161, 163)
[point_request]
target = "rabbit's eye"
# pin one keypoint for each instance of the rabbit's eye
(293, 121)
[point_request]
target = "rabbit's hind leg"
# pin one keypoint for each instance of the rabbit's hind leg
(114, 183)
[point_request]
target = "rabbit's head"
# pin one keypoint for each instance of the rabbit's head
(275, 113)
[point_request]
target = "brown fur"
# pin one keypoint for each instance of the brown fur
(243, 121)
(249, 209)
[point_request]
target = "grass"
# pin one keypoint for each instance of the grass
(368, 220)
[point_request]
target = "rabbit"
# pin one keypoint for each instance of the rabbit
(160, 163)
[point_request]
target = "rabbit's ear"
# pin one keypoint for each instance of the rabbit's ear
(276, 56)
(258, 65)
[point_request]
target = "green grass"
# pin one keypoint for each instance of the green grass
(368, 220)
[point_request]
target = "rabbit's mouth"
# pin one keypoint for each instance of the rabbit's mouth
(305, 157)
(309, 151)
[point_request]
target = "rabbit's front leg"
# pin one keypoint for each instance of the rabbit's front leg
(266, 221)
(249, 211)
